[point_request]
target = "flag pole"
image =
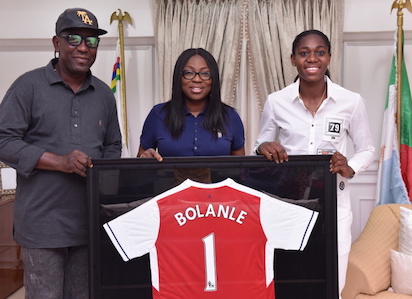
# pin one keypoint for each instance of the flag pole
(400, 5)
(122, 18)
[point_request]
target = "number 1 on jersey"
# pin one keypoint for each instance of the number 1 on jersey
(210, 262)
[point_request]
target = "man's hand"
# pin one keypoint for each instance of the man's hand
(77, 162)
(73, 162)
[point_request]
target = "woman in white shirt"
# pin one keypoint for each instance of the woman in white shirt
(315, 116)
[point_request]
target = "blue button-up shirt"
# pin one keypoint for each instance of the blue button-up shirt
(195, 139)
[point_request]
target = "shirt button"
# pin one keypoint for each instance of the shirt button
(75, 125)
(195, 138)
(75, 112)
(195, 147)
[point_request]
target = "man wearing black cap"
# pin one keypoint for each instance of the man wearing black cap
(53, 121)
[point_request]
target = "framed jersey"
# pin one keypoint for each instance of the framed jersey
(213, 227)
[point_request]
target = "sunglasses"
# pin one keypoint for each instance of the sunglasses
(76, 40)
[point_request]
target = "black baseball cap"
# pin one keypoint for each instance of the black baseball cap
(78, 18)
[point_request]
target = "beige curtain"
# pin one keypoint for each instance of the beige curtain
(212, 25)
(250, 39)
(272, 27)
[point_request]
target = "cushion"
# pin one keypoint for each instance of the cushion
(401, 265)
(405, 231)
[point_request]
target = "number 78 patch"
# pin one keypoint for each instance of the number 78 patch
(333, 127)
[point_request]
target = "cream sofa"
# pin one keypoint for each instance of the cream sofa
(369, 269)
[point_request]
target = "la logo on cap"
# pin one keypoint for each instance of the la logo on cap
(85, 17)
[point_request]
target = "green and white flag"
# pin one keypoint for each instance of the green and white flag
(395, 169)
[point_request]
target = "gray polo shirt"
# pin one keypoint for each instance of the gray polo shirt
(41, 113)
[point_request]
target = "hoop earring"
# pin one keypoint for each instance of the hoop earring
(55, 54)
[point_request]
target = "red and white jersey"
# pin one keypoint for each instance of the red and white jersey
(211, 240)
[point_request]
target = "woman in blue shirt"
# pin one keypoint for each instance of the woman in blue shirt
(195, 122)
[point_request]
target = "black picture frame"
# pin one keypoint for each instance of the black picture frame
(126, 183)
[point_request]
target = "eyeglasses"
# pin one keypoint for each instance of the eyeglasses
(190, 75)
(76, 40)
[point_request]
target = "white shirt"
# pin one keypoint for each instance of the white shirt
(341, 116)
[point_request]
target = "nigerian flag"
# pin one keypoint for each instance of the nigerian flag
(395, 171)
(406, 130)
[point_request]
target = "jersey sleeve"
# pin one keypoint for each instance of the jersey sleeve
(287, 226)
(134, 233)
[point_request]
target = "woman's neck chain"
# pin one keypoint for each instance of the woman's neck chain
(313, 111)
